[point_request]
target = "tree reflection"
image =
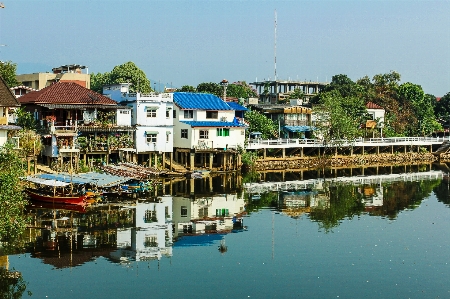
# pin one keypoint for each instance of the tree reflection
(344, 202)
(12, 285)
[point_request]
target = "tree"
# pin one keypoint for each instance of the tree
(297, 94)
(25, 119)
(211, 87)
(30, 143)
(124, 73)
(8, 71)
(260, 123)
(187, 88)
(12, 200)
(241, 90)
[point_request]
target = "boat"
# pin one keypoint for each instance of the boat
(57, 206)
(39, 195)
(48, 192)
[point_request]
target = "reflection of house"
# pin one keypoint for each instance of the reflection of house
(64, 73)
(152, 115)
(295, 203)
(207, 132)
(66, 109)
(7, 102)
(207, 214)
(152, 237)
(372, 196)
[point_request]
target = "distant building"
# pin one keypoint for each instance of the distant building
(273, 92)
(65, 73)
(7, 102)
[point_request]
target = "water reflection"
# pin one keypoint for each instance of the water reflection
(202, 212)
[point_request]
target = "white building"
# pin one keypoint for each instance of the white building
(152, 116)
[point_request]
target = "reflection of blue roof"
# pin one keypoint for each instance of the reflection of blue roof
(199, 240)
(199, 101)
(98, 179)
(298, 128)
(236, 106)
(218, 124)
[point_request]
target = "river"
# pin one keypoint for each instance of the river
(381, 235)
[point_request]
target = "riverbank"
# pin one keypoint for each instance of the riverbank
(342, 161)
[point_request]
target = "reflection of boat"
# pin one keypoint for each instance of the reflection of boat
(57, 206)
(198, 174)
(38, 195)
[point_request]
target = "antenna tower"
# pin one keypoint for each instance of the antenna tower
(275, 45)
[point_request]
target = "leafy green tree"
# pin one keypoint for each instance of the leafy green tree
(30, 143)
(241, 90)
(297, 94)
(187, 88)
(127, 72)
(12, 200)
(212, 88)
(337, 118)
(8, 71)
(442, 108)
(25, 120)
(260, 123)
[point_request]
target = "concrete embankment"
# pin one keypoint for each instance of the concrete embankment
(343, 161)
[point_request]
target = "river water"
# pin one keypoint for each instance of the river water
(381, 235)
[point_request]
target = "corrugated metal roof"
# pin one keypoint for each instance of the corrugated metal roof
(199, 101)
(218, 124)
(236, 106)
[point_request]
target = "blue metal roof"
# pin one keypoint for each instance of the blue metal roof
(199, 101)
(236, 106)
(298, 128)
(213, 123)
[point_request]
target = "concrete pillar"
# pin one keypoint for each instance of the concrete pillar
(192, 161)
(283, 153)
(191, 186)
(156, 159)
(163, 160)
(211, 156)
(171, 160)
(264, 153)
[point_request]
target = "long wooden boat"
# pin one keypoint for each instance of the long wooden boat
(71, 199)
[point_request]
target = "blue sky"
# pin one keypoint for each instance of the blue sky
(187, 42)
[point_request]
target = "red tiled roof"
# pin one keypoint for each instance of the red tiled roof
(371, 105)
(65, 93)
(7, 98)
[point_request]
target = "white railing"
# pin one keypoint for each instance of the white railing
(261, 143)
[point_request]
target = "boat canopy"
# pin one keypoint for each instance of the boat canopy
(93, 178)
(53, 183)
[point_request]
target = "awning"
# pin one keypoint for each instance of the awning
(296, 129)
(151, 107)
(53, 183)
(151, 132)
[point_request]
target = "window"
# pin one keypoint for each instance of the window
(151, 137)
(150, 241)
(167, 137)
(151, 113)
(223, 132)
(212, 114)
(183, 211)
(150, 216)
(167, 113)
(188, 113)
(204, 134)
(184, 133)
(124, 112)
(174, 114)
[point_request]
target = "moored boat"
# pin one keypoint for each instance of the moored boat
(38, 195)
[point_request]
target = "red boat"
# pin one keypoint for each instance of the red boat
(42, 196)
